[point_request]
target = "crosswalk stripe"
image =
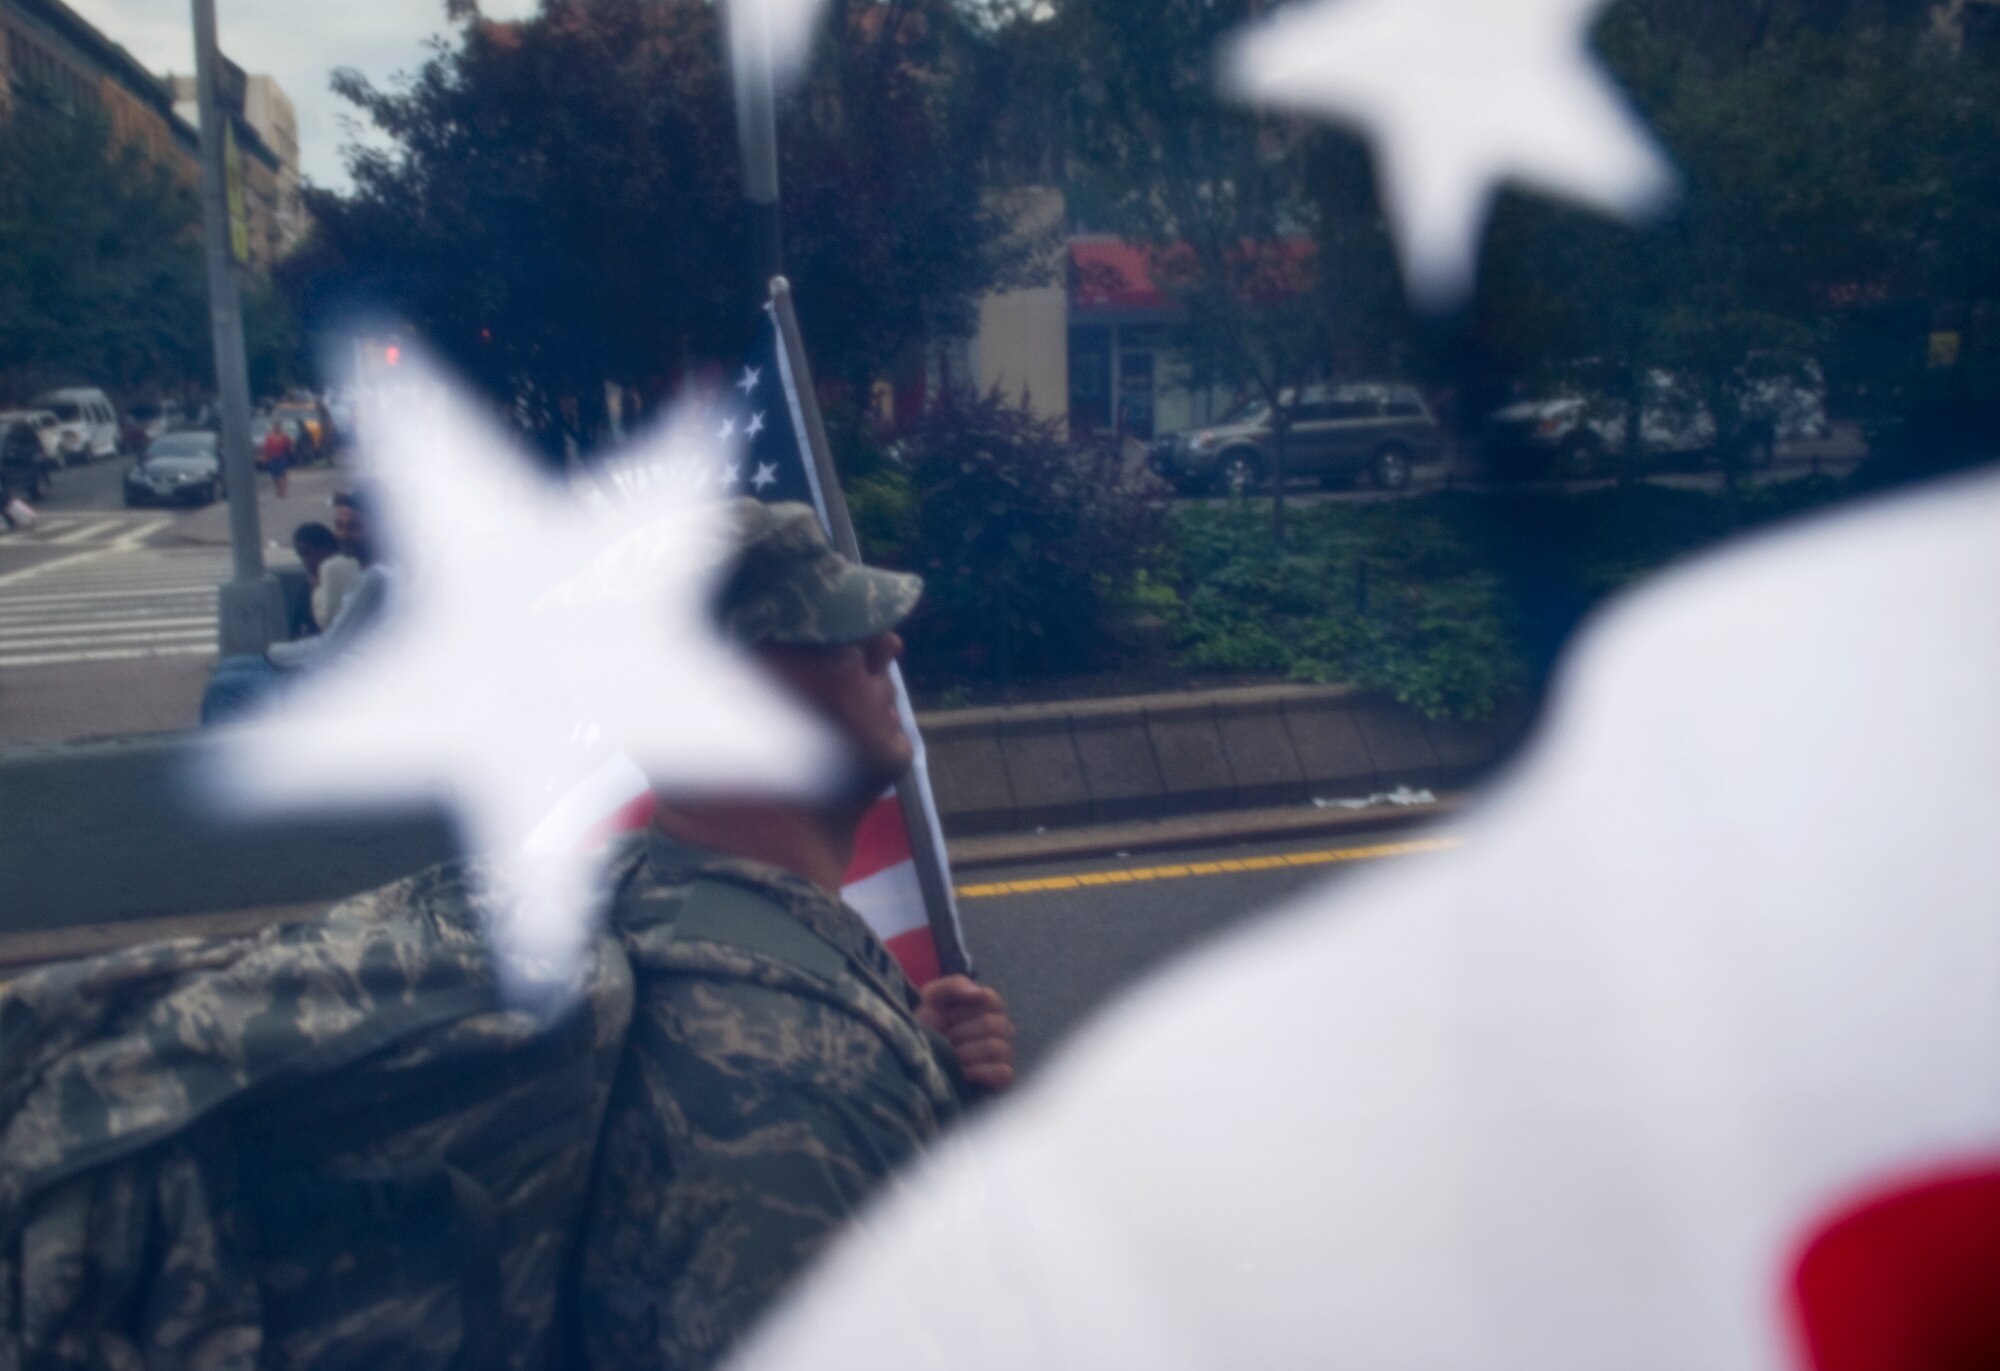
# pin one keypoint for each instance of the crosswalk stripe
(144, 573)
(179, 585)
(108, 598)
(95, 610)
(121, 639)
(83, 533)
(70, 658)
(107, 628)
(148, 602)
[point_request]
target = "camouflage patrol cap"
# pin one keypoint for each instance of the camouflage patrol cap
(790, 586)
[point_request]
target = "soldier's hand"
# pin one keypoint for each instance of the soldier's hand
(974, 1020)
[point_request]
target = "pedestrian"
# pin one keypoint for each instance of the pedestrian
(240, 684)
(276, 457)
(17, 513)
(751, 1121)
(329, 571)
(336, 1143)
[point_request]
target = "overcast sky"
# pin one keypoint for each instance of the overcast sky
(297, 41)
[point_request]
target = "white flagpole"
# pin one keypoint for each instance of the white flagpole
(913, 790)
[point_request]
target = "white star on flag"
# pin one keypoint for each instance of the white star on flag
(1458, 96)
(767, 474)
(526, 621)
(732, 475)
(755, 426)
(751, 375)
(727, 431)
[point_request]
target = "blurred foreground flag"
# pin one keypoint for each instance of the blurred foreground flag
(763, 423)
(1689, 1057)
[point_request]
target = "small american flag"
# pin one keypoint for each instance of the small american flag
(761, 450)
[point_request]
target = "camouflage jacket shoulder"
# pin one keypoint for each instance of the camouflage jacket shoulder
(770, 1086)
(203, 1118)
(683, 910)
(80, 1038)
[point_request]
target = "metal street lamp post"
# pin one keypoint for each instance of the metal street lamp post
(250, 608)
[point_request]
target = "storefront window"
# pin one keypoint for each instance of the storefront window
(1089, 378)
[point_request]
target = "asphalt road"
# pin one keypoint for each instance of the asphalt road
(107, 615)
(1061, 940)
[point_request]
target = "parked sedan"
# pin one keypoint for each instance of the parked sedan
(1375, 429)
(1579, 431)
(178, 468)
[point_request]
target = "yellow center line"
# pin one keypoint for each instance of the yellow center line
(1228, 867)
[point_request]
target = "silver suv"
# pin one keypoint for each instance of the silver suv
(1381, 430)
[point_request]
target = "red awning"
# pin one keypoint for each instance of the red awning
(1110, 276)
(1106, 275)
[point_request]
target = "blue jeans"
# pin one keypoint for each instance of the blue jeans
(239, 685)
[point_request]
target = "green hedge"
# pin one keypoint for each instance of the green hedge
(1452, 603)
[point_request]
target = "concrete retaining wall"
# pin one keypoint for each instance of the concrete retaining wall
(1149, 757)
(104, 832)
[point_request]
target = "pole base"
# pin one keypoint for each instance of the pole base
(250, 616)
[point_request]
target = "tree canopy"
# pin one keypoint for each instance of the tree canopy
(557, 203)
(100, 266)
(1838, 175)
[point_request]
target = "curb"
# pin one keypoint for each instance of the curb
(1090, 763)
(114, 831)
(1205, 830)
(20, 951)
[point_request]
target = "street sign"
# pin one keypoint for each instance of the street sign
(239, 218)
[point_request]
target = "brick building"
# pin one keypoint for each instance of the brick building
(55, 64)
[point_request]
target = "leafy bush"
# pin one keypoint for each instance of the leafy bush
(1387, 596)
(1451, 603)
(1035, 550)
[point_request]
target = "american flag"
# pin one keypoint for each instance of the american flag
(762, 450)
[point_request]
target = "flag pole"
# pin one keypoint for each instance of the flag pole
(913, 793)
(756, 79)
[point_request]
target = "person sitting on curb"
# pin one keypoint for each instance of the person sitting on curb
(329, 571)
(240, 684)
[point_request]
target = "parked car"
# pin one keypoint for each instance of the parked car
(89, 422)
(24, 465)
(1381, 430)
(178, 468)
(1578, 431)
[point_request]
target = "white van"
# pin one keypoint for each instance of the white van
(89, 422)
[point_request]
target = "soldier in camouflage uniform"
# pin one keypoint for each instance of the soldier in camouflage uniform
(332, 1145)
(780, 1065)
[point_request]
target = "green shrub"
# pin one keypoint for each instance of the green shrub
(1389, 596)
(1452, 602)
(1035, 550)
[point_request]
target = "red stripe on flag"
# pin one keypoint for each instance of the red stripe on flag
(882, 842)
(1906, 1281)
(629, 817)
(916, 953)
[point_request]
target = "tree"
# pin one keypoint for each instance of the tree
(1821, 166)
(1265, 230)
(100, 269)
(557, 205)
